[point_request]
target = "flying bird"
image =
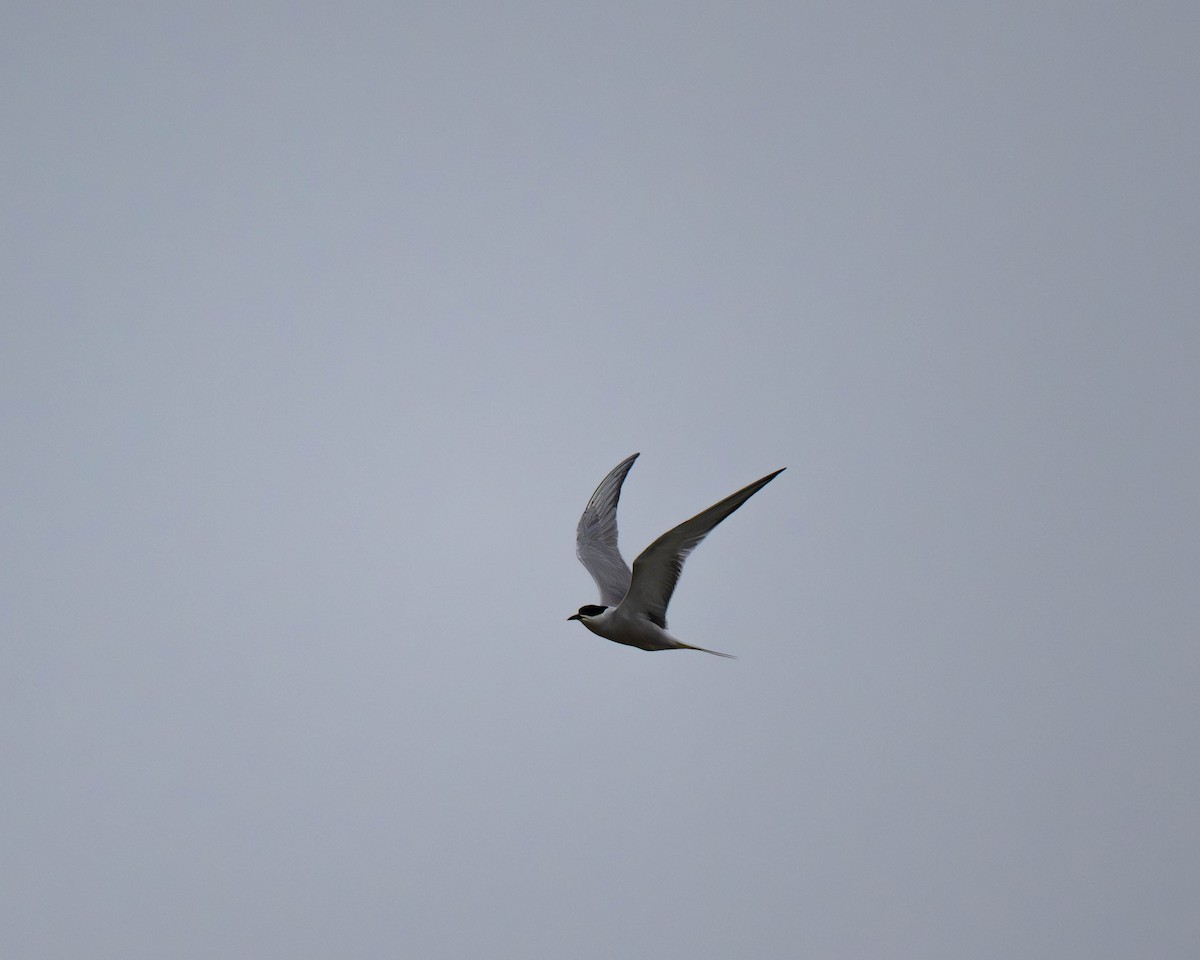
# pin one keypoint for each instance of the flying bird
(633, 604)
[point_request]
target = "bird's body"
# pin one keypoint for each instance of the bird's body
(633, 604)
(623, 626)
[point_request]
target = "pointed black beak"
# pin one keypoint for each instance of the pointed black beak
(573, 616)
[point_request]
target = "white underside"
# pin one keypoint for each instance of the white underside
(637, 631)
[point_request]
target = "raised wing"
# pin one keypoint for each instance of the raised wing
(596, 537)
(657, 569)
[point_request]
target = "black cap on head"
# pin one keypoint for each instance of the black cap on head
(588, 610)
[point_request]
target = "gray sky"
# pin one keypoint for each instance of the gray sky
(321, 323)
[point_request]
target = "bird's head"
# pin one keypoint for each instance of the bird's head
(587, 611)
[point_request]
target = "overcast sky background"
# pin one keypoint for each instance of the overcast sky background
(320, 325)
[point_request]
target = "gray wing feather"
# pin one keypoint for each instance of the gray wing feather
(596, 537)
(657, 568)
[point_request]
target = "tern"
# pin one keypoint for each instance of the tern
(633, 604)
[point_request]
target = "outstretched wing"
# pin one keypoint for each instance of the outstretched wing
(596, 537)
(657, 569)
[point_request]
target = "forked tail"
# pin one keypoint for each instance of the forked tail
(715, 653)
